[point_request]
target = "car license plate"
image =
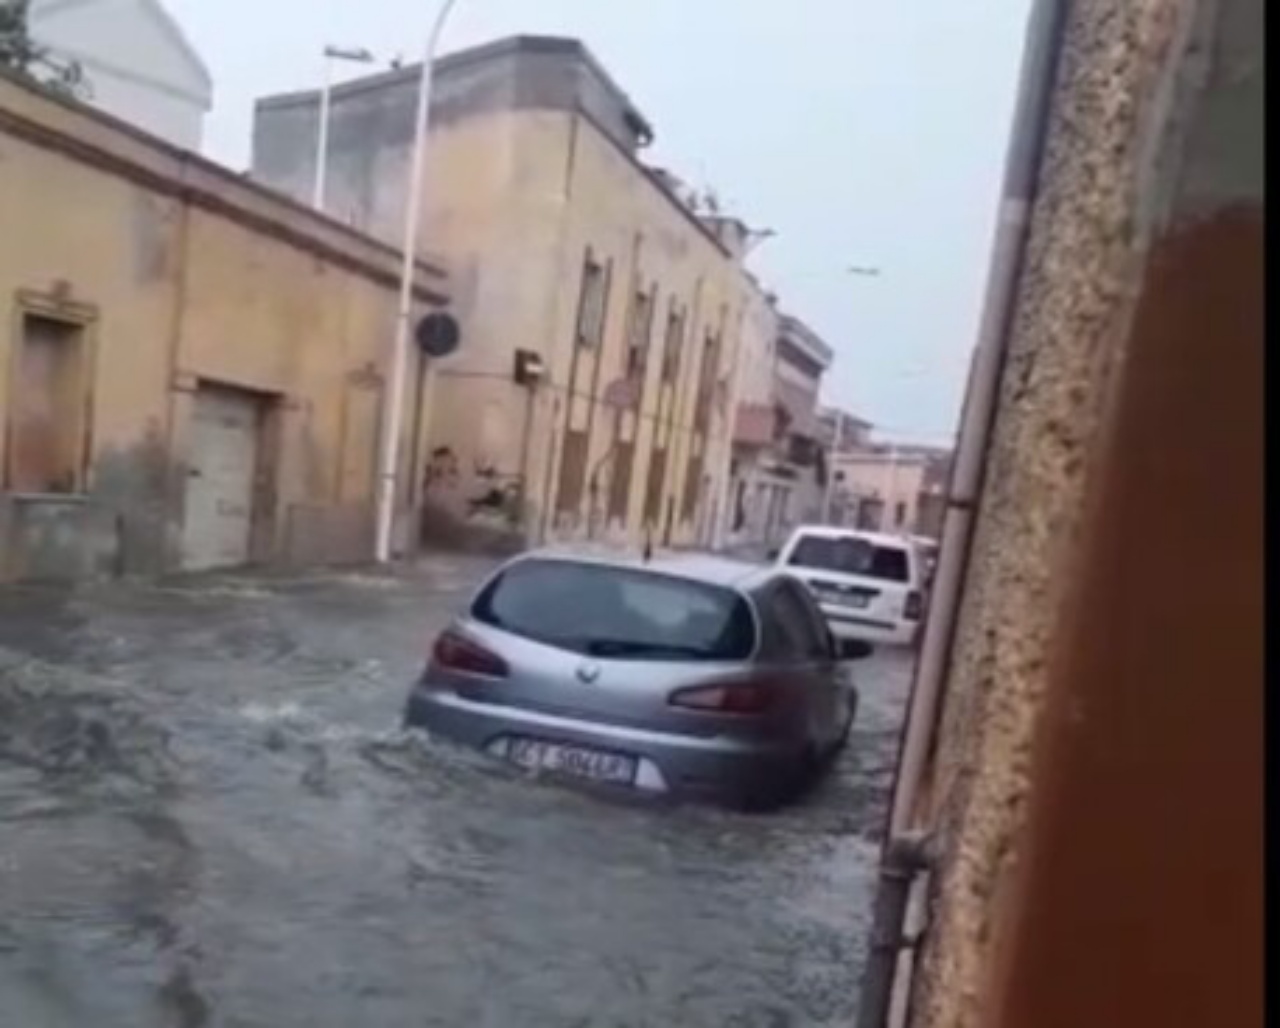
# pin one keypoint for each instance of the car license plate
(579, 761)
(843, 599)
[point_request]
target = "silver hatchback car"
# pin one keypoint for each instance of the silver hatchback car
(693, 677)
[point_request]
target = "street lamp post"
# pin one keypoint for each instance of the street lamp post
(891, 487)
(829, 495)
(357, 55)
(393, 398)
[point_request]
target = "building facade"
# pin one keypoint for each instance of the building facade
(840, 430)
(888, 488)
(602, 311)
(192, 374)
(136, 63)
(778, 471)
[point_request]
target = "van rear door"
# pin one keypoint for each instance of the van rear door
(854, 575)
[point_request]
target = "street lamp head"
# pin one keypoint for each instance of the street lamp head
(358, 54)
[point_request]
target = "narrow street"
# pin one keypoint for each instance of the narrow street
(210, 817)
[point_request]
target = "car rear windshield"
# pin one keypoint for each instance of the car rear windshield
(606, 611)
(851, 555)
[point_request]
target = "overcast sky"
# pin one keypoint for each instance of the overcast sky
(864, 132)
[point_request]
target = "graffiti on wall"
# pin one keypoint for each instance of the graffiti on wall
(486, 492)
(441, 471)
(496, 493)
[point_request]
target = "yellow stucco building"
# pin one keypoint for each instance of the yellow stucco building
(571, 257)
(191, 366)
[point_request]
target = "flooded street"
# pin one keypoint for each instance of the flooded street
(209, 816)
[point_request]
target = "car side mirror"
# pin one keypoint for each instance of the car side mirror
(853, 649)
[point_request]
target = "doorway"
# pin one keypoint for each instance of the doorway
(222, 464)
(48, 424)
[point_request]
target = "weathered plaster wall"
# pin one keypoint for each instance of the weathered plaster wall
(532, 162)
(183, 273)
(610, 207)
(1100, 760)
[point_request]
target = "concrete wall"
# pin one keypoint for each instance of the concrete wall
(1098, 786)
(181, 274)
(532, 164)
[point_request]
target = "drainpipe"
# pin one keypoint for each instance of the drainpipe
(1046, 29)
(902, 860)
(720, 503)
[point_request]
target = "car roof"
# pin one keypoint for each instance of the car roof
(708, 569)
(835, 532)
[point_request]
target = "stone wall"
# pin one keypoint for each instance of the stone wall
(1099, 766)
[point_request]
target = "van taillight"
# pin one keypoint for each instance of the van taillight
(455, 652)
(726, 698)
(913, 609)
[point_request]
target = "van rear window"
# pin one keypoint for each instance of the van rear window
(851, 555)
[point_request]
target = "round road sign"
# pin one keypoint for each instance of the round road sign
(438, 334)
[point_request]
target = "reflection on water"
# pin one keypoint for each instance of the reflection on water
(208, 819)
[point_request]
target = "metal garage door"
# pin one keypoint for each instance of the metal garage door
(222, 458)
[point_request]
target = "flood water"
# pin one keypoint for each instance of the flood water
(209, 817)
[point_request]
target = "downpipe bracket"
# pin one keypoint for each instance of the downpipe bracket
(908, 854)
(904, 858)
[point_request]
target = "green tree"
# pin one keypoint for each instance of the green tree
(21, 54)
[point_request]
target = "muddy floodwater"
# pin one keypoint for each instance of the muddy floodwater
(210, 817)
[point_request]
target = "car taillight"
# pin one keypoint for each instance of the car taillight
(726, 698)
(914, 607)
(455, 652)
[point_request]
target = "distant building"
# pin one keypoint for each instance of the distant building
(137, 63)
(572, 257)
(854, 432)
(779, 466)
(891, 488)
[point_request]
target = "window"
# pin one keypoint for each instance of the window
(639, 333)
(671, 344)
(620, 480)
(706, 383)
(692, 488)
(851, 555)
(870, 511)
(49, 406)
(607, 611)
(592, 301)
(654, 484)
(573, 472)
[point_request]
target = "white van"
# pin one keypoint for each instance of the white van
(869, 585)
